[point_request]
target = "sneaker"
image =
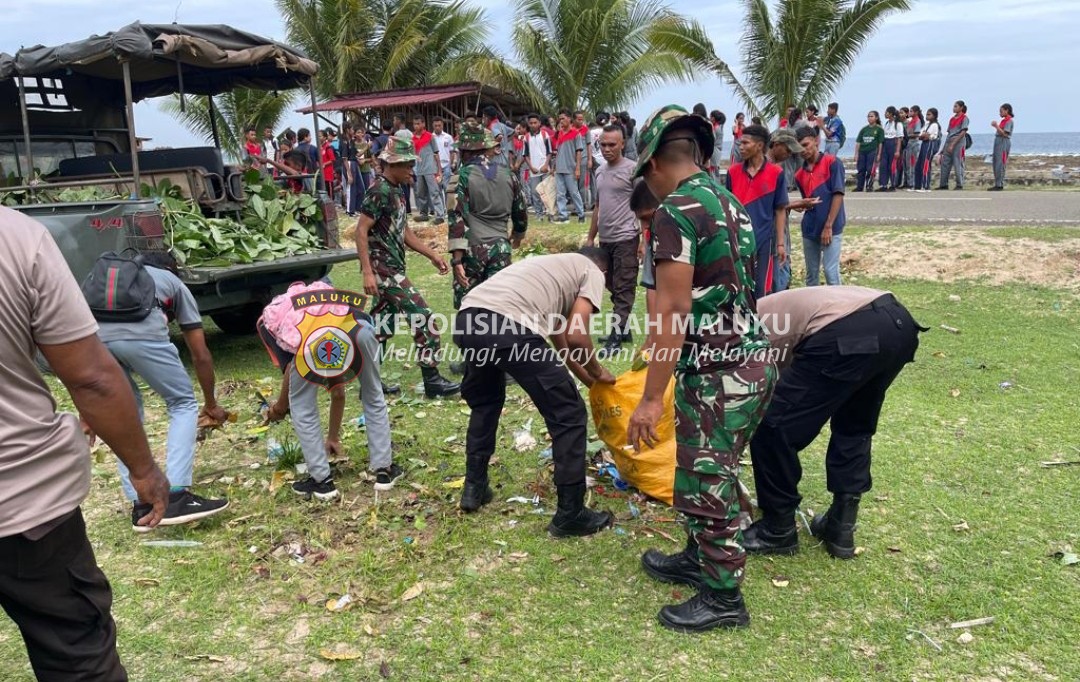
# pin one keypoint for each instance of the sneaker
(422, 219)
(580, 218)
(325, 490)
(185, 507)
(387, 476)
(137, 512)
(561, 221)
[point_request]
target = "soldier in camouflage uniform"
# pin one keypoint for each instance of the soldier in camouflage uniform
(486, 195)
(703, 250)
(382, 233)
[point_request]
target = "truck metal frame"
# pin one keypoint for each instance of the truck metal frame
(87, 90)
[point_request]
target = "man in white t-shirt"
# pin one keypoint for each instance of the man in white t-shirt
(596, 158)
(537, 152)
(447, 153)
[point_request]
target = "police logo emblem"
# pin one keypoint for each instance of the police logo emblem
(328, 353)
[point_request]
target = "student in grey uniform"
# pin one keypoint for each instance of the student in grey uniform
(428, 170)
(301, 398)
(1002, 142)
(912, 130)
(952, 156)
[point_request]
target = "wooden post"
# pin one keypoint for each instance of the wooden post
(130, 108)
(28, 178)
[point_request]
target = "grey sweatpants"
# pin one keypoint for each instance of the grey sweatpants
(953, 160)
(306, 420)
(429, 197)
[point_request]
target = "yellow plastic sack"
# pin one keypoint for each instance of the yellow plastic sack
(650, 471)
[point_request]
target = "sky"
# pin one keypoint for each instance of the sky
(982, 51)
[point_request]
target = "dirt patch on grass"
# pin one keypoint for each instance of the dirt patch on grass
(965, 254)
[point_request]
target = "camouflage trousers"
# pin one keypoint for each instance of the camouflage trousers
(398, 296)
(715, 416)
(481, 262)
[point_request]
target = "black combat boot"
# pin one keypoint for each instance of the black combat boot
(436, 385)
(707, 609)
(836, 528)
(681, 567)
(572, 518)
(772, 534)
(391, 389)
(476, 492)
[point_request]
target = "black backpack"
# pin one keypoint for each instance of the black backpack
(119, 288)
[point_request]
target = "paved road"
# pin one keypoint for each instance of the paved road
(970, 207)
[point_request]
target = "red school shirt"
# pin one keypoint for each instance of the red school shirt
(328, 157)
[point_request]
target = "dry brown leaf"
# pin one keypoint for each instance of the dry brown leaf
(859, 550)
(277, 480)
(955, 392)
(340, 654)
(384, 670)
(413, 592)
(206, 657)
(780, 581)
(518, 556)
(342, 603)
(961, 527)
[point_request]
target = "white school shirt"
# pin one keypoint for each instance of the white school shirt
(893, 129)
(445, 142)
(933, 130)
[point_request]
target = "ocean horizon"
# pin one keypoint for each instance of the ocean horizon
(1023, 144)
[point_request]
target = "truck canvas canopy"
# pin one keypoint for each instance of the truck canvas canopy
(165, 59)
(92, 83)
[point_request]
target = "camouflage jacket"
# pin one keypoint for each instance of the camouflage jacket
(487, 194)
(384, 203)
(703, 225)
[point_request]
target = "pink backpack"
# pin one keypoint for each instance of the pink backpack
(280, 319)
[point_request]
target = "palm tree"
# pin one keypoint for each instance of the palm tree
(802, 53)
(364, 45)
(604, 54)
(233, 112)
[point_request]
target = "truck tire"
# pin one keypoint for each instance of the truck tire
(238, 321)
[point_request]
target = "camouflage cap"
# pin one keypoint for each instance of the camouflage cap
(398, 150)
(786, 137)
(475, 137)
(663, 121)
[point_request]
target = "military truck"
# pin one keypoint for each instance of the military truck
(67, 124)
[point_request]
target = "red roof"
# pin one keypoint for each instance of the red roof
(394, 98)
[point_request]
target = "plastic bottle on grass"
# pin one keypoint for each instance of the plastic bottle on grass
(273, 449)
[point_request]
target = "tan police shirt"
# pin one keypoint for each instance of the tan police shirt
(791, 316)
(44, 457)
(539, 292)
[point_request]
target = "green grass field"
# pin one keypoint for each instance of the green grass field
(962, 523)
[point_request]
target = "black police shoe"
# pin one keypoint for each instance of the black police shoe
(681, 567)
(706, 610)
(771, 536)
(474, 496)
(836, 527)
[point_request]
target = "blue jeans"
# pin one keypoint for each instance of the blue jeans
(567, 190)
(817, 255)
(782, 274)
(158, 363)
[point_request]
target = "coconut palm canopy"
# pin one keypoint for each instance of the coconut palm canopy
(233, 111)
(800, 53)
(569, 53)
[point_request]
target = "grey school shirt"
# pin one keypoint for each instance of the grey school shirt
(174, 301)
(614, 185)
(565, 155)
(425, 158)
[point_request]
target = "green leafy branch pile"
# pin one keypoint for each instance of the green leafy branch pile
(67, 195)
(274, 223)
